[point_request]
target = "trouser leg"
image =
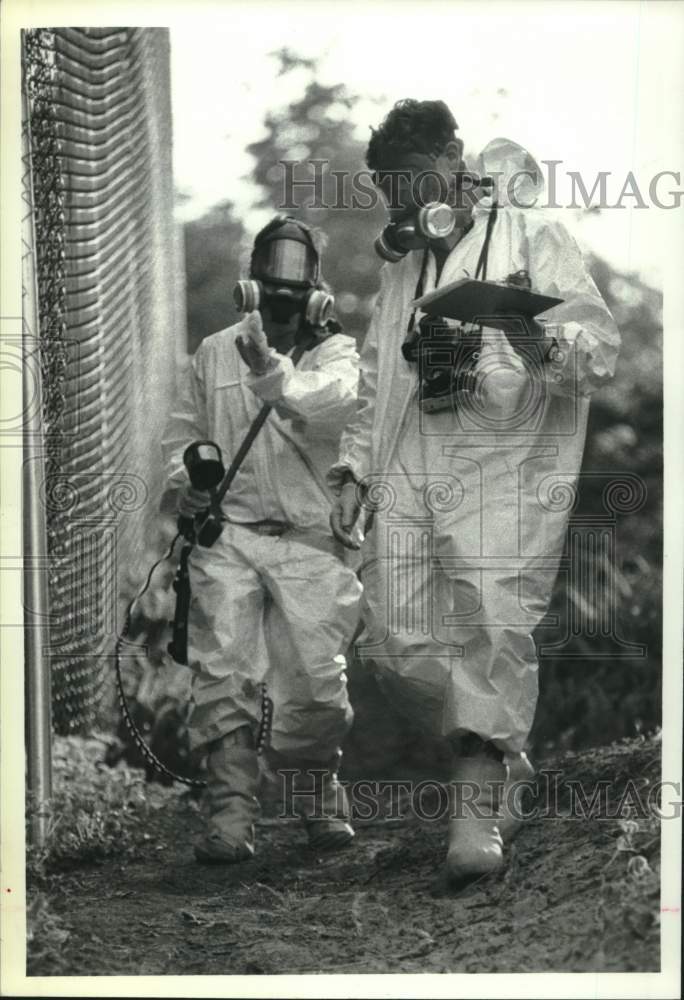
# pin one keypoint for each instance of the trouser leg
(452, 651)
(226, 648)
(454, 654)
(310, 623)
(227, 656)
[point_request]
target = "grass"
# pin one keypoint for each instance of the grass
(97, 813)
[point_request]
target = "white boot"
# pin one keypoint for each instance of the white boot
(230, 801)
(321, 802)
(519, 770)
(475, 844)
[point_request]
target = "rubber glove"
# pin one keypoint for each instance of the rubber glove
(254, 348)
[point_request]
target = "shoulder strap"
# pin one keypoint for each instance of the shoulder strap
(419, 287)
(481, 269)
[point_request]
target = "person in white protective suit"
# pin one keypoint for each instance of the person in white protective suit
(273, 599)
(468, 522)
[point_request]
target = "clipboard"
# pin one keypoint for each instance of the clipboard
(472, 301)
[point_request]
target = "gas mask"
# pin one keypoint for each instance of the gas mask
(432, 222)
(285, 276)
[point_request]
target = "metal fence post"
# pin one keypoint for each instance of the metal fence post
(37, 665)
(36, 600)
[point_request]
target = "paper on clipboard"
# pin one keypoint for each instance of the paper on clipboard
(470, 301)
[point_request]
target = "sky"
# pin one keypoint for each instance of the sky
(582, 83)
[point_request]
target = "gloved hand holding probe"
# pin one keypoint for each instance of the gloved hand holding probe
(192, 501)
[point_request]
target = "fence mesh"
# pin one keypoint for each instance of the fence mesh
(108, 277)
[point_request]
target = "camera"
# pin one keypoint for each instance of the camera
(446, 357)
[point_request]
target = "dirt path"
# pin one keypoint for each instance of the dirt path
(570, 898)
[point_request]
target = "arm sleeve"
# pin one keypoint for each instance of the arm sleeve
(322, 398)
(586, 332)
(187, 423)
(355, 445)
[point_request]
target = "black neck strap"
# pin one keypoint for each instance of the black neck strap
(419, 287)
(481, 269)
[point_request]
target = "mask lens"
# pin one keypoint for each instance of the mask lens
(286, 260)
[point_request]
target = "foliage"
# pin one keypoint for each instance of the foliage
(629, 895)
(96, 812)
(213, 247)
(592, 694)
(317, 127)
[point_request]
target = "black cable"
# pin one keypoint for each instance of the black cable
(266, 707)
(138, 738)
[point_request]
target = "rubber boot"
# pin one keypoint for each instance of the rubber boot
(475, 844)
(230, 801)
(321, 802)
(519, 770)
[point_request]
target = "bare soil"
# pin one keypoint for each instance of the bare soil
(575, 895)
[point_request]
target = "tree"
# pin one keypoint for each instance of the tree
(315, 130)
(214, 245)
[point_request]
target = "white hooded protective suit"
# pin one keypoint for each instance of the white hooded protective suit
(281, 609)
(471, 504)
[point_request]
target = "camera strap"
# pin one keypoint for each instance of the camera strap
(481, 269)
(474, 339)
(419, 289)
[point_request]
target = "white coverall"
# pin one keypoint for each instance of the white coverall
(281, 609)
(472, 506)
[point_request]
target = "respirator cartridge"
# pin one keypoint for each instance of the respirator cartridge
(432, 222)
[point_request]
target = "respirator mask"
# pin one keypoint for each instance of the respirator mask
(285, 276)
(434, 221)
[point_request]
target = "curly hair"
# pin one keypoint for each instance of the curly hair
(411, 126)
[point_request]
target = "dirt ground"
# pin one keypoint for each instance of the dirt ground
(576, 895)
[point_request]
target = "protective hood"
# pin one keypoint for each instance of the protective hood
(518, 178)
(285, 254)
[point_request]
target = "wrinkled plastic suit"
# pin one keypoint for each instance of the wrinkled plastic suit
(472, 503)
(281, 609)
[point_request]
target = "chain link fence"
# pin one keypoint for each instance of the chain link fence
(108, 270)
